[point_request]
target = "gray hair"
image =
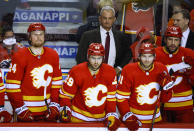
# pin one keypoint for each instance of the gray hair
(107, 8)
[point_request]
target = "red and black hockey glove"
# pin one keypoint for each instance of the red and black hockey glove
(52, 114)
(131, 121)
(5, 117)
(189, 60)
(112, 121)
(24, 114)
(165, 80)
(65, 114)
(189, 71)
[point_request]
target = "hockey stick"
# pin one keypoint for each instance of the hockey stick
(155, 110)
(45, 98)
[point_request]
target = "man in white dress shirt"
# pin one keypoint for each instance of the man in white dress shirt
(119, 53)
(181, 18)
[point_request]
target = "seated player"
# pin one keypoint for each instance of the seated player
(88, 93)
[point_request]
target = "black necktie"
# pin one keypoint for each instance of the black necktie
(107, 47)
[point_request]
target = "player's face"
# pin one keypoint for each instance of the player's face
(37, 38)
(180, 21)
(107, 19)
(172, 44)
(95, 62)
(146, 61)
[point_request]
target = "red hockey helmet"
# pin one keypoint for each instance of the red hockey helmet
(36, 26)
(96, 49)
(173, 31)
(147, 48)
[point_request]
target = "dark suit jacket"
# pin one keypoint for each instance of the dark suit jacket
(190, 41)
(123, 52)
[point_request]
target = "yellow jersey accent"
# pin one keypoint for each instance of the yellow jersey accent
(13, 82)
(35, 98)
(57, 78)
(123, 93)
(85, 113)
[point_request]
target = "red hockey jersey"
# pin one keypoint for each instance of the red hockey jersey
(4, 55)
(90, 97)
(182, 91)
(2, 90)
(138, 90)
(33, 78)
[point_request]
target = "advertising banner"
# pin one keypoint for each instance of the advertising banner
(47, 16)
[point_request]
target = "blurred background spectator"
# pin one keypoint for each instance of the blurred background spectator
(8, 46)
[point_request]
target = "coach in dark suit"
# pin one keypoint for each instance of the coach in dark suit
(119, 51)
(190, 40)
(181, 18)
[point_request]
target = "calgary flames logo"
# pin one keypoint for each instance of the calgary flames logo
(136, 7)
(38, 76)
(143, 93)
(92, 93)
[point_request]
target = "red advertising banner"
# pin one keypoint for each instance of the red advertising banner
(136, 17)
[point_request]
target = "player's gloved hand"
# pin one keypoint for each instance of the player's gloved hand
(189, 60)
(5, 63)
(65, 114)
(189, 71)
(4, 115)
(131, 121)
(112, 121)
(24, 114)
(53, 113)
(165, 80)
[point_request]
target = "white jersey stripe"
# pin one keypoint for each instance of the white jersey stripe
(85, 118)
(111, 96)
(38, 103)
(12, 86)
(147, 117)
(180, 99)
(60, 82)
(2, 87)
(122, 97)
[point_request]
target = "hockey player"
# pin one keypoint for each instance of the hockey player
(88, 93)
(139, 87)
(34, 79)
(180, 107)
(4, 115)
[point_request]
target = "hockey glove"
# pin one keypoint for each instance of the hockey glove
(165, 80)
(177, 67)
(24, 114)
(112, 121)
(5, 117)
(5, 63)
(189, 60)
(65, 114)
(53, 112)
(131, 121)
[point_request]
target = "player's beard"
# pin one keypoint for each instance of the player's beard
(37, 44)
(171, 51)
(93, 68)
(146, 67)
